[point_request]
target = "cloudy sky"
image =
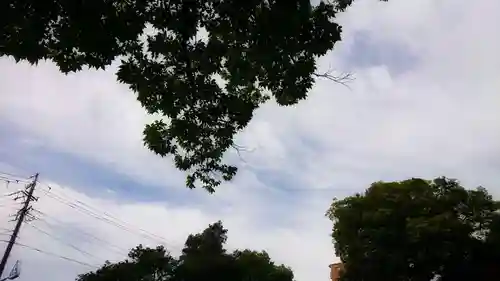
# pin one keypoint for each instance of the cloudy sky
(425, 103)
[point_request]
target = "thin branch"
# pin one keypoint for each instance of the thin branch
(343, 78)
(239, 149)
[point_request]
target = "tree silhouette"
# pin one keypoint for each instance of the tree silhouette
(417, 230)
(202, 66)
(203, 258)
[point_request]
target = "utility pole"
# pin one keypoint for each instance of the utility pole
(20, 218)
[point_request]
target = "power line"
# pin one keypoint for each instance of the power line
(87, 209)
(51, 254)
(95, 212)
(70, 202)
(88, 212)
(104, 219)
(115, 218)
(62, 241)
(112, 247)
(5, 174)
(13, 180)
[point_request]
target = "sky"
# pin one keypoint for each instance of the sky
(424, 103)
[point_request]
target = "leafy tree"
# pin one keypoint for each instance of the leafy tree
(205, 86)
(203, 258)
(142, 264)
(417, 230)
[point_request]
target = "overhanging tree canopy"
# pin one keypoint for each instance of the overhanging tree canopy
(205, 86)
(203, 258)
(417, 230)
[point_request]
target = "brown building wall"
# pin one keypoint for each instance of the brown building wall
(335, 269)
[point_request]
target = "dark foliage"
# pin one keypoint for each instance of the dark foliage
(203, 258)
(204, 66)
(417, 230)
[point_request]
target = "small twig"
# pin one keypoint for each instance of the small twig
(342, 79)
(236, 147)
(239, 149)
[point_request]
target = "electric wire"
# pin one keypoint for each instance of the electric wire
(77, 205)
(110, 219)
(93, 214)
(51, 254)
(113, 217)
(107, 244)
(62, 241)
(13, 180)
(5, 174)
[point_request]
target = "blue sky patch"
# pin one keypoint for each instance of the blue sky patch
(83, 175)
(366, 50)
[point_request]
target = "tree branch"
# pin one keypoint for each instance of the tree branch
(343, 78)
(239, 149)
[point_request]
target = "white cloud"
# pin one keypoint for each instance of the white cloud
(88, 114)
(437, 118)
(62, 216)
